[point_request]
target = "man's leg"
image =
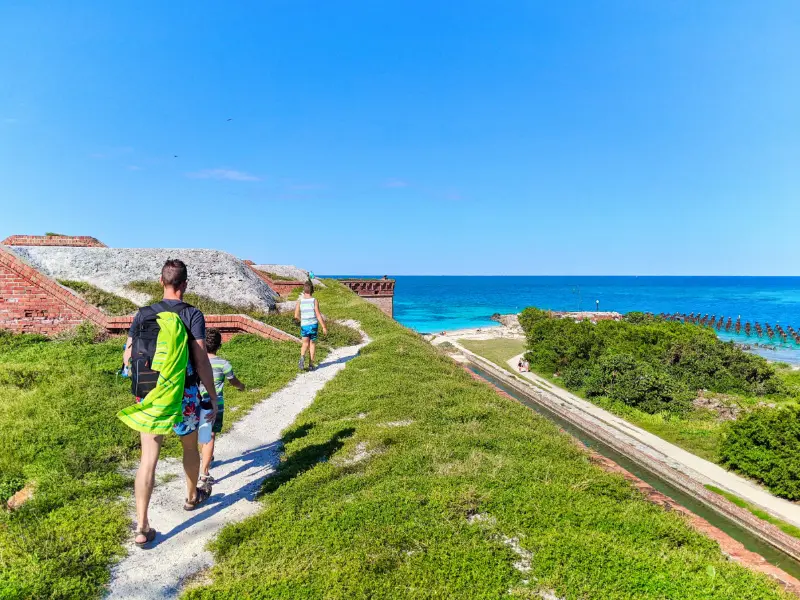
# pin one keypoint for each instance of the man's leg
(191, 464)
(145, 479)
(311, 348)
(208, 453)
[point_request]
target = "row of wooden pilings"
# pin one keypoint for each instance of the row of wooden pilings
(729, 324)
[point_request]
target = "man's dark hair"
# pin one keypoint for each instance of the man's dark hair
(213, 340)
(308, 287)
(174, 273)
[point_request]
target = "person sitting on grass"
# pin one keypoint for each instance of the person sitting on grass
(222, 370)
(307, 312)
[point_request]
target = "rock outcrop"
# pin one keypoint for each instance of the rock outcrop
(214, 274)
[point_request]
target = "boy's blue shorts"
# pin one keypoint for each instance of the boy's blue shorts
(309, 331)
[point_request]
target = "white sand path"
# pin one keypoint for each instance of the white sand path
(246, 455)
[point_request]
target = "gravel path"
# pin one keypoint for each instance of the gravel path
(244, 457)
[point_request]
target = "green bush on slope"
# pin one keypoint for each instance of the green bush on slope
(765, 445)
(407, 479)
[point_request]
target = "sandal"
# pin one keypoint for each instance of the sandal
(149, 536)
(201, 496)
(206, 481)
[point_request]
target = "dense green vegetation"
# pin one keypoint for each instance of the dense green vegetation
(107, 302)
(407, 479)
(58, 401)
(765, 444)
(649, 371)
(643, 361)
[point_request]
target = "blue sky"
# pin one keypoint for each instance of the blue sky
(417, 137)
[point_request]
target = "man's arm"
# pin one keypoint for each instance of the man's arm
(320, 319)
(297, 310)
(202, 365)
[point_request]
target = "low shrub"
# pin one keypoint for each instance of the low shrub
(637, 383)
(765, 444)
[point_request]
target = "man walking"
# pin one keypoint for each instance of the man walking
(174, 401)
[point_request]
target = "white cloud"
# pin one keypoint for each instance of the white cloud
(228, 174)
(395, 183)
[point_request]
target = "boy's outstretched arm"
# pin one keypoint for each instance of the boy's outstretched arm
(297, 310)
(234, 381)
(319, 318)
(126, 354)
(197, 349)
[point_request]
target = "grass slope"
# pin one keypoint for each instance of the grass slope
(107, 302)
(382, 475)
(498, 350)
(57, 425)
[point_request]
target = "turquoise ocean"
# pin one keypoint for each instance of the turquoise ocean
(432, 304)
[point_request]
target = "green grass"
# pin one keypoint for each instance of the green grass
(106, 301)
(396, 525)
(58, 428)
(741, 503)
(498, 350)
(276, 277)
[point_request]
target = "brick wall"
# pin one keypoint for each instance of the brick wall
(228, 325)
(379, 292)
(284, 288)
(52, 240)
(32, 302)
(385, 303)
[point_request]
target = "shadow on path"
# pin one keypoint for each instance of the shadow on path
(258, 462)
(303, 460)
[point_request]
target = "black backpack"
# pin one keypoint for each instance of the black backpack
(143, 348)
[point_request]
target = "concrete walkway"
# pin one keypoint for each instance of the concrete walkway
(699, 469)
(244, 457)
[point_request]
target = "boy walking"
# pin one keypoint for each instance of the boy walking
(222, 371)
(307, 312)
(177, 378)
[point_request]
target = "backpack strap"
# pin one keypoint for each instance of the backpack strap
(162, 306)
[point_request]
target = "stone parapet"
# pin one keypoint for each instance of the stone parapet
(53, 240)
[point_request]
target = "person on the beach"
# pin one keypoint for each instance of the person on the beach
(222, 371)
(174, 280)
(307, 312)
